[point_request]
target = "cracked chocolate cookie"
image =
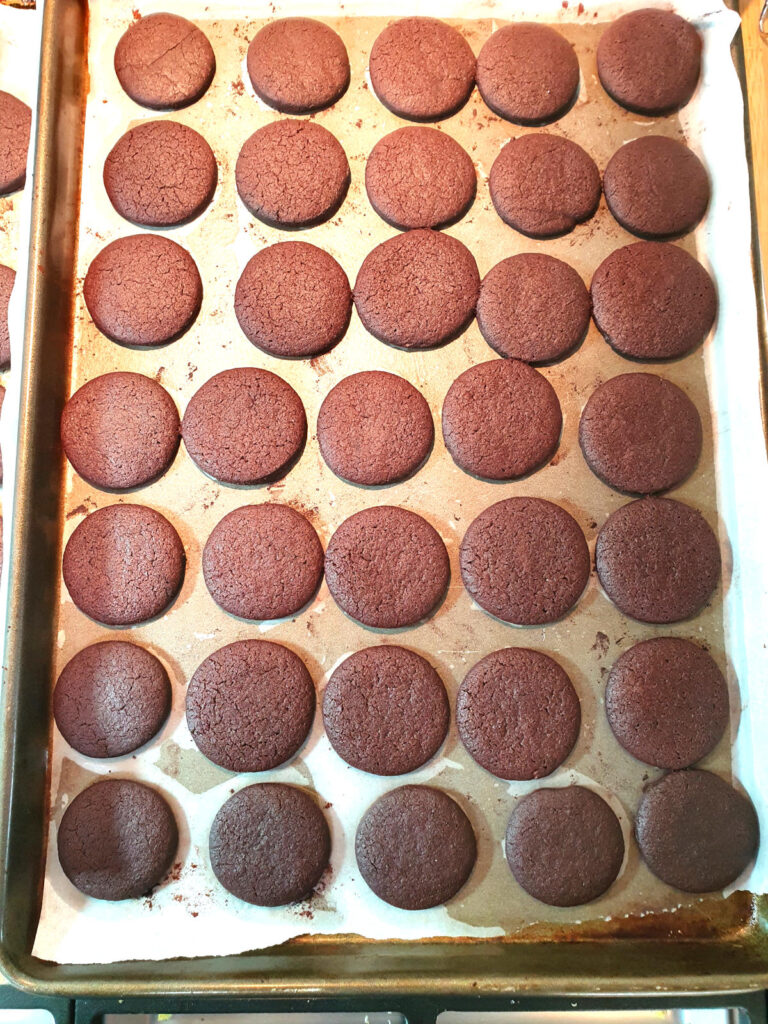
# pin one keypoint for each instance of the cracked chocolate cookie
(7, 280)
(15, 126)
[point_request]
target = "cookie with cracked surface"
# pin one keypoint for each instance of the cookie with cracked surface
(160, 174)
(386, 567)
(528, 73)
(111, 699)
(250, 705)
(501, 420)
(298, 65)
(525, 560)
(385, 710)
(695, 832)
(15, 126)
(293, 300)
(292, 174)
(417, 290)
(544, 185)
(7, 279)
(244, 426)
(120, 430)
(164, 62)
(651, 300)
(123, 564)
(270, 844)
(263, 562)
(656, 187)
(658, 560)
(434, 853)
(419, 177)
(374, 428)
(564, 846)
(117, 839)
(649, 61)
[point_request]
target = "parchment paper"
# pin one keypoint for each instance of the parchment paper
(190, 914)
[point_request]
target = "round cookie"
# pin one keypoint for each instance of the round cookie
(533, 307)
(658, 560)
(386, 567)
(120, 430)
(143, 290)
(298, 65)
(270, 844)
(422, 69)
(528, 73)
(651, 300)
(656, 187)
(7, 279)
(385, 710)
(160, 174)
(695, 832)
(250, 705)
(111, 699)
(292, 174)
(418, 177)
(667, 702)
(649, 61)
(374, 428)
(117, 840)
(263, 562)
(518, 714)
(501, 420)
(525, 560)
(640, 433)
(544, 185)
(417, 290)
(244, 426)
(15, 126)
(123, 564)
(293, 300)
(434, 853)
(164, 62)
(564, 846)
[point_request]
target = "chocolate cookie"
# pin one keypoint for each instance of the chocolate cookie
(120, 430)
(656, 187)
(15, 125)
(293, 300)
(422, 69)
(696, 832)
(124, 564)
(385, 710)
(298, 65)
(419, 177)
(518, 714)
(117, 840)
(544, 185)
(667, 702)
(143, 290)
(250, 705)
(292, 174)
(111, 699)
(658, 560)
(160, 174)
(270, 844)
(7, 279)
(164, 62)
(263, 562)
(651, 300)
(528, 73)
(386, 567)
(374, 428)
(564, 845)
(418, 289)
(649, 61)
(533, 307)
(525, 560)
(244, 426)
(501, 420)
(640, 433)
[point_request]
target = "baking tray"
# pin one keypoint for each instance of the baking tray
(722, 944)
